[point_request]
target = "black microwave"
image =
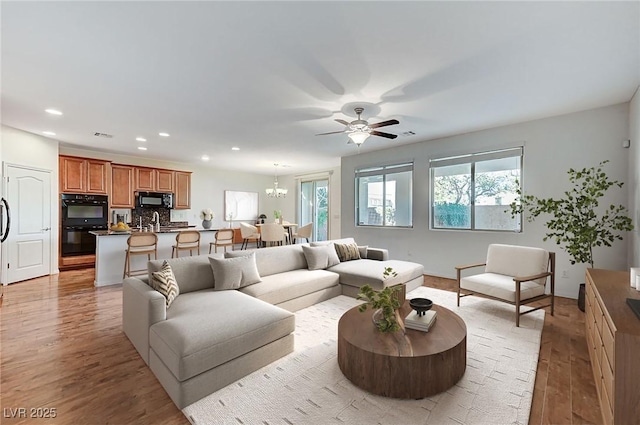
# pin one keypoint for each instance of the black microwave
(154, 200)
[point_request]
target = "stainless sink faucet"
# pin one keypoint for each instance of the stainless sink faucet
(156, 219)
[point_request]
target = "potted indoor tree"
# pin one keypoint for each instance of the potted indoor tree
(578, 222)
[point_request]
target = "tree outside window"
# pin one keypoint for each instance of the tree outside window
(471, 192)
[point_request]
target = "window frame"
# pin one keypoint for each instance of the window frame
(472, 159)
(383, 171)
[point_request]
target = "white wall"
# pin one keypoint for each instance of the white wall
(552, 146)
(27, 149)
(634, 179)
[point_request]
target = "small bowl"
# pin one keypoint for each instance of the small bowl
(421, 305)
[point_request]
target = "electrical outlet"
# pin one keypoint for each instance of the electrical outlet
(565, 274)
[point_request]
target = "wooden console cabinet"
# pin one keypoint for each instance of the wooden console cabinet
(613, 338)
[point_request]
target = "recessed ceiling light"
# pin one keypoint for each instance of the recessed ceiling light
(53, 111)
(205, 157)
(235, 148)
(141, 139)
(163, 134)
(48, 133)
(142, 148)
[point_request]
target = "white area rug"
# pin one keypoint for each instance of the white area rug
(307, 386)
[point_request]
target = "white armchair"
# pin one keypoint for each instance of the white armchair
(513, 274)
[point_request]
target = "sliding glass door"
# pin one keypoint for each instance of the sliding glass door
(314, 207)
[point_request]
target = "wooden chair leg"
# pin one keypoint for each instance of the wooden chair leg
(458, 279)
(517, 304)
(126, 263)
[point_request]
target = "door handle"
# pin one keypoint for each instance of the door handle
(46, 229)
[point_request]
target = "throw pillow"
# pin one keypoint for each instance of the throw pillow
(318, 257)
(363, 251)
(333, 255)
(347, 251)
(164, 282)
(234, 273)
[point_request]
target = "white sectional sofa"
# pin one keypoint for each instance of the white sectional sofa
(210, 338)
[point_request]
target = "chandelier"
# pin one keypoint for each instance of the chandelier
(275, 191)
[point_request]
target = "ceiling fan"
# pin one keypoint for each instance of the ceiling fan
(359, 130)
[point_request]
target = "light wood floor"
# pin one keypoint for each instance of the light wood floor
(62, 347)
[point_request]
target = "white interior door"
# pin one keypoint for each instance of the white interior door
(28, 247)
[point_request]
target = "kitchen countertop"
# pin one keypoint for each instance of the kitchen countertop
(162, 230)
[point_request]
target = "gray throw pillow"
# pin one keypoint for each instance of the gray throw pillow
(363, 250)
(234, 273)
(333, 255)
(164, 282)
(318, 257)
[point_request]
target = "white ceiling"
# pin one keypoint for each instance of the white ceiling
(267, 76)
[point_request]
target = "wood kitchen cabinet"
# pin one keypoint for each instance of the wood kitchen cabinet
(182, 186)
(145, 179)
(83, 175)
(164, 180)
(154, 180)
(122, 177)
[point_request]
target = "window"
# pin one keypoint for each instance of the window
(473, 192)
(384, 196)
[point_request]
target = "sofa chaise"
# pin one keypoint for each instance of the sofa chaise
(209, 338)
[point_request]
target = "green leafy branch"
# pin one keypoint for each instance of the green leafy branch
(577, 223)
(384, 300)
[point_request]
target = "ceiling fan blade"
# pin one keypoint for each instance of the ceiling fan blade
(381, 134)
(384, 123)
(331, 132)
(343, 122)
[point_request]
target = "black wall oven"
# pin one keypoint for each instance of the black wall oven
(81, 214)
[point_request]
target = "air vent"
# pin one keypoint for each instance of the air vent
(408, 133)
(108, 136)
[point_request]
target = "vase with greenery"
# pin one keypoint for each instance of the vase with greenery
(385, 301)
(578, 222)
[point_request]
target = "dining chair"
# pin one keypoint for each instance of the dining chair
(249, 233)
(186, 240)
(303, 232)
(272, 233)
(224, 238)
(141, 243)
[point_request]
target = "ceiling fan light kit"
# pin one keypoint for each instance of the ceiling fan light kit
(358, 137)
(359, 130)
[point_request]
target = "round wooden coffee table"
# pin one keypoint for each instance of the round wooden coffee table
(412, 366)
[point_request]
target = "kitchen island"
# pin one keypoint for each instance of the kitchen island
(111, 247)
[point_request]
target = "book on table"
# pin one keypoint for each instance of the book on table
(420, 323)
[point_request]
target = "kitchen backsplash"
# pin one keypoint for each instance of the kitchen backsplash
(147, 217)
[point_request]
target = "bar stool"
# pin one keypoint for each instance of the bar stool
(187, 240)
(140, 244)
(224, 238)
